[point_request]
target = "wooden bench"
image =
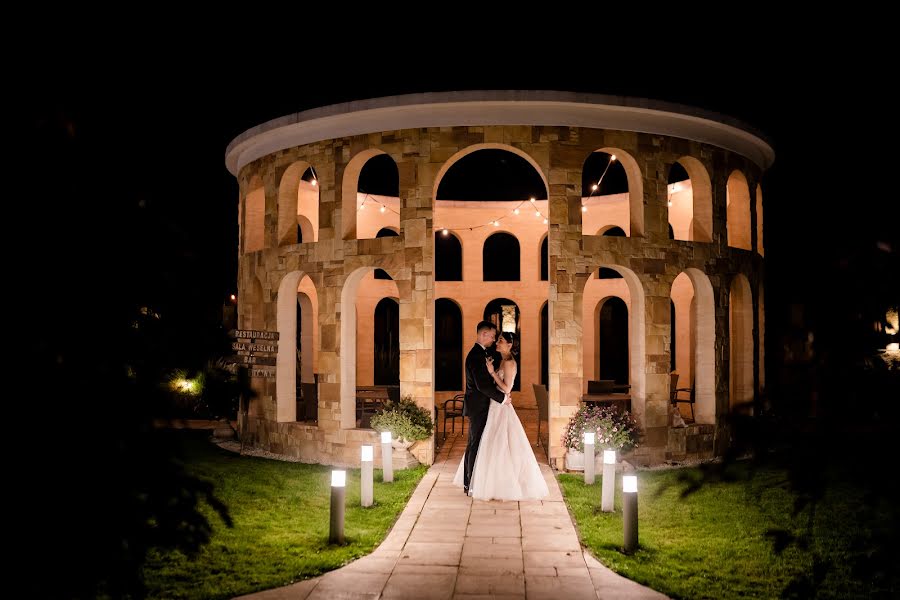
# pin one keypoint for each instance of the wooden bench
(370, 399)
(622, 402)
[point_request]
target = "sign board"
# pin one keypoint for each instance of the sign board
(248, 347)
(248, 359)
(253, 334)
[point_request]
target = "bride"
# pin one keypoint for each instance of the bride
(505, 467)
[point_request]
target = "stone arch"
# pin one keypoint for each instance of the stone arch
(692, 201)
(702, 323)
(684, 337)
(298, 202)
(371, 292)
(740, 303)
(291, 292)
(350, 337)
(449, 361)
(451, 266)
(490, 249)
(633, 225)
(595, 294)
(255, 216)
(307, 232)
(759, 220)
(631, 290)
(611, 231)
(352, 200)
(485, 146)
(737, 198)
(388, 232)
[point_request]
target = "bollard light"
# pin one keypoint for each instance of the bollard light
(630, 512)
(387, 457)
(607, 496)
(366, 477)
(589, 437)
(338, 493)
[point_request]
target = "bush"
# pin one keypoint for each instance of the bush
(404, 419)
(615, 431)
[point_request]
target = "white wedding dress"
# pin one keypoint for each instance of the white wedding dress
(505, 467)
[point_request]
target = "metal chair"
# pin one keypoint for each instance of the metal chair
(675, 391)
(458, 404)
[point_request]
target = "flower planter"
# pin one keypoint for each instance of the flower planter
(401, 444)
(574, 460)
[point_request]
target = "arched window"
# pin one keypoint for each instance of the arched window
(386, 232)
(614, 340)
(545, 344)
(387, 342)
(545, 260)
(614, 232)
(504, 313)
(448, 352)
(447, 257)
(501, 258)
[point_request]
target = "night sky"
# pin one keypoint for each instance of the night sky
(133, 206)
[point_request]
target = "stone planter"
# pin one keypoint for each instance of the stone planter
(401, 444)
(574, 460)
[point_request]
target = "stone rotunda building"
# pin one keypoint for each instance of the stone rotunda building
(334, 269)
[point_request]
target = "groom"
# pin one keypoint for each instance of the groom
(480, 390)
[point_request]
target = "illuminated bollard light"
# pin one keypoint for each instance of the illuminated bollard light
(387, 456)
(366, 476)
(607, 497)
(630, 512)
(338, 493)
(589, 437)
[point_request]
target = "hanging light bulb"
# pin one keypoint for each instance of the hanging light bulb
(531, 199)
(496, 223)
(594, 187)
(537, 213)
(445, 231)
(612, 157)
(382, 209)
(516, 211)
(545, 221)
(583, 208)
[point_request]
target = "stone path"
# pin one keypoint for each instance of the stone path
(446, 545)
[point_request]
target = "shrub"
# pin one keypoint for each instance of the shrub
(615, 431)
(404, 419)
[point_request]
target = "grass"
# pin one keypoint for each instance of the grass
(280, 512)
(714, 544)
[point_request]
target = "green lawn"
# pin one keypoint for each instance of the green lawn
(280, 534)
(713, 543)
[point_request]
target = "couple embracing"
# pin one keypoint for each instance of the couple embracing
(499, 463)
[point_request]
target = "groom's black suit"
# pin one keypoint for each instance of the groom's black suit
(480, 390)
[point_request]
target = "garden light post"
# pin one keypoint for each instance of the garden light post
(387, 456)
(338, 493)
(630, 512)
(607, 497)
(589, 437)
(366, 475)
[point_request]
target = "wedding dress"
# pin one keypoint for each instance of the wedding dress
(505, 467)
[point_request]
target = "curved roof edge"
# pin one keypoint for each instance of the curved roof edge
(505, 107)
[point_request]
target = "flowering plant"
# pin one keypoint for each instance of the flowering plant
(615, 431)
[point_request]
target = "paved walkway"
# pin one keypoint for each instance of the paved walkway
(445, 545)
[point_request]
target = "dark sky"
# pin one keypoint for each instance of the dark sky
(134, 206)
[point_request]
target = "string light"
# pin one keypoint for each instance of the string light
(596, 186)
(496, 222)
(383, 207)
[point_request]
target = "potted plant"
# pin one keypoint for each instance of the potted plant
(615, 431)
(406, 420)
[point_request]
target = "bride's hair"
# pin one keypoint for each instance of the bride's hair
(513, 342)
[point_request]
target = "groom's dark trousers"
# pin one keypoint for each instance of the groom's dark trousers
(480, 390)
